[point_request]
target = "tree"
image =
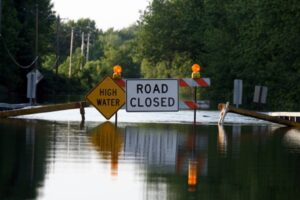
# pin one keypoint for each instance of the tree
(19, 22)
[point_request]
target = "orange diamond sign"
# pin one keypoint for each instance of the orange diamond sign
(107, 97)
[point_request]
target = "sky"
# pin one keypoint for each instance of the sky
(107, 14)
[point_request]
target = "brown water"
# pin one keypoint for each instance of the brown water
(48, 160)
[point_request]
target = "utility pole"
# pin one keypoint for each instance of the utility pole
(71, 51)
(0, 17)
(34, 75)
(57, 44)
(36, 35)
(88, 48)
(82, 50)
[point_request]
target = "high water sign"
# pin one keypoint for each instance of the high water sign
(152, 95)
(107, 97)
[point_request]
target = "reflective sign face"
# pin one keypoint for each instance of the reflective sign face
(107, 97)
(156, 95)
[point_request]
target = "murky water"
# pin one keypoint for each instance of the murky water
(51, 160)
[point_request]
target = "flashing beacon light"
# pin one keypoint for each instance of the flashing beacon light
(196, 71)
(117, 72)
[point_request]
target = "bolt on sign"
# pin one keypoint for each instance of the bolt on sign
(152, 95)
(107, 97)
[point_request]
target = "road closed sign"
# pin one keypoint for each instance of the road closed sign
(152, 95)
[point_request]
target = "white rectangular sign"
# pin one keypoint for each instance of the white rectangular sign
(237, 92)
(152, 95)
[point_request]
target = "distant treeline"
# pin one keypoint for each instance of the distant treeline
(257, 41)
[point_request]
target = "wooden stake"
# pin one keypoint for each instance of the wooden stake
(116, 119)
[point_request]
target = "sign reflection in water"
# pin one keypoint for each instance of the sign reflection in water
(108, 141)
(167, 151)
(48, 160)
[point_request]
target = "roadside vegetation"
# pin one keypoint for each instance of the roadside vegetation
(256, 41)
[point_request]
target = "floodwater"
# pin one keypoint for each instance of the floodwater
(47, 159)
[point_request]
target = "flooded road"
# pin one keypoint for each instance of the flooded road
(61, 160)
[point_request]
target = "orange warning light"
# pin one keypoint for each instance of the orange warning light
(196, 68)
(196, 71)
(117, 72)
(117, 69)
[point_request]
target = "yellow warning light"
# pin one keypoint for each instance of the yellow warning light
(117, 72)
(196, 71)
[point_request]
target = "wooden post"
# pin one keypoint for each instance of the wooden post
(259, 115)
(82, 112)
(116, 119)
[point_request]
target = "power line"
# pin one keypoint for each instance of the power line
(13, 59)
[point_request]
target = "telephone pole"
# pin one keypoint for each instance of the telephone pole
(57, 44)
(88, 48)
(0, 17)
(82, 50)
(36, 35)
(71, 51)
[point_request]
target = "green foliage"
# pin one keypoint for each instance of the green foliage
(256, 41)
(18, 34)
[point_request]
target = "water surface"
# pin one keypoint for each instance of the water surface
(62, 160)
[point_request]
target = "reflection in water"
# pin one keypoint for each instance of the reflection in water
(42, 160)
(156, 147)
(22, 156)
(30, 144)
(108, 141)
(292, 140)
(236, 139)
(222, 140)
(192, 175)
(167, 150)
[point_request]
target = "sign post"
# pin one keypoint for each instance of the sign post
(260, 95)
(152, 95)
(107, 97)
(237, 92)
(33, 78)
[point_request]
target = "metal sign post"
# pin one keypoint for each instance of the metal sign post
(31, 87)
(33, 78)
(237, 92)
(260, 94)
(195, 100)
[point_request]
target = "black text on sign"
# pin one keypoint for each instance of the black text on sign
(154, 95)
